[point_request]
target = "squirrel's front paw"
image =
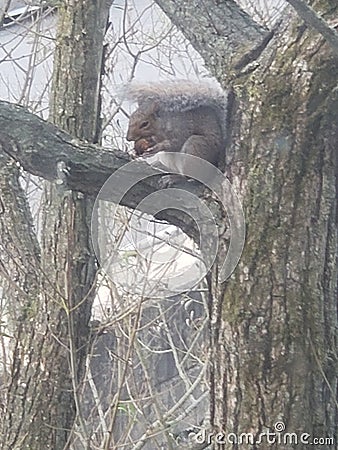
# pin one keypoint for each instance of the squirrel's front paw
(165, 182)
(168, 181)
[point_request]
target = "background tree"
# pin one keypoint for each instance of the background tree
(68, 268)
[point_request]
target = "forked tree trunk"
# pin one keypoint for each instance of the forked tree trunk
(274, 341)
(273, 328)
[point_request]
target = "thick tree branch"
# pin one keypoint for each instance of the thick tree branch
(224, 35)
(38, 146)
(313, 20)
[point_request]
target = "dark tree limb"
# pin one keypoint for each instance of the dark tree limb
(38, 145)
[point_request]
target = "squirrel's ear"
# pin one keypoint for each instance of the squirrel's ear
(152, 107)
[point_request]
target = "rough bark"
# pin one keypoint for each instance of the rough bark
(273, 325)
(21, 310)
(313, 20)
(275, 346)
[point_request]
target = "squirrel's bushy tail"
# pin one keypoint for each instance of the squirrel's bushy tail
(178, 95)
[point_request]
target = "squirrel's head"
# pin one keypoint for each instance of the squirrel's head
(142, 122)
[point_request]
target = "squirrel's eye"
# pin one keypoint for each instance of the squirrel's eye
(144, 124)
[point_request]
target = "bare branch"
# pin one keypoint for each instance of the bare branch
(38, 145)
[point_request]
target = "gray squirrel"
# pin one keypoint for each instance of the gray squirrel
(179, 116)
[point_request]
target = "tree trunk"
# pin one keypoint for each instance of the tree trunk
(68, 257)
(274, 341)
(20, 311)
(273, 323)
(51, 347)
